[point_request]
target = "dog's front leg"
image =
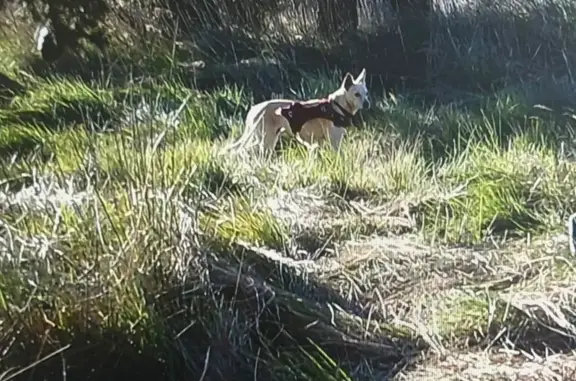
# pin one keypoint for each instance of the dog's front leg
(336, 136)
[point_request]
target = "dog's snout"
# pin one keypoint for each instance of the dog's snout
(366, 104)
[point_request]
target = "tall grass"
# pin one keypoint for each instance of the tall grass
(130, 244)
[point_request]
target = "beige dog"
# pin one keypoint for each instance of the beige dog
(309, 121)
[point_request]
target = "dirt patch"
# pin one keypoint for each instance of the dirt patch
(494, 366)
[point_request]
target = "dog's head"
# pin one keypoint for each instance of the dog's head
(354, 92)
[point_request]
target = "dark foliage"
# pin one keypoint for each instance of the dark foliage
(391, 54)
(67, 23)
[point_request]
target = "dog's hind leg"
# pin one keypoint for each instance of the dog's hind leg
(252, 131)
(270, 139)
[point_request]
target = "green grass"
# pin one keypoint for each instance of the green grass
(126, 232)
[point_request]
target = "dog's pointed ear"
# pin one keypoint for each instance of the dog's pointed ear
(361, 77)
(348, 81)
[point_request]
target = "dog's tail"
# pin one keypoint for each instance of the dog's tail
(248, 136)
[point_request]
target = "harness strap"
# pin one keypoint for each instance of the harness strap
(298, 113)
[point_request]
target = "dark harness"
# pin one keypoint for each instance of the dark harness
(298, 113)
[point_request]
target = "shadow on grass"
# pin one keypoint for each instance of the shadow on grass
(280, 311)
(24, 131)
(9, 88)
(218, 180)
(63, 114)
(238, 309)
(347, 192)
(20, 145)
(46, 111)
(108, 355)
